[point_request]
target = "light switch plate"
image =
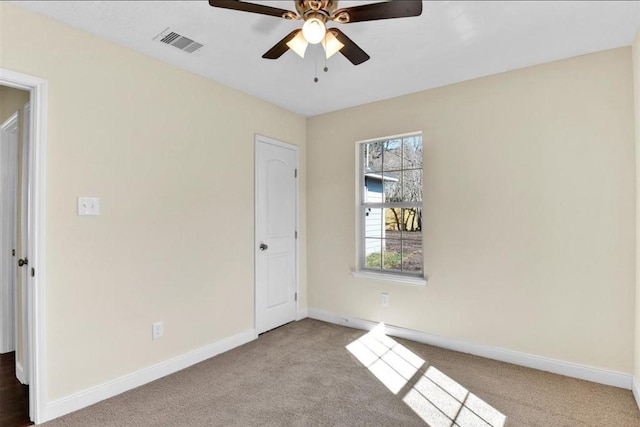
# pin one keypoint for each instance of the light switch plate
(157, 330)
(88, 206)
(384, 299)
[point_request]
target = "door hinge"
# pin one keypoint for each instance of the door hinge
(13, 252)
(296, 296)
(33, 272)
(296, 234)
(295, 173)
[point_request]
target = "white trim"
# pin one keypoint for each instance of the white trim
(636, 391)
(11, 122)
(37, 208)
(360, 221)
(303, 313)
(351, 322)
(297, 232)
(388, 277)
(8, 290)
(130, 381)
(574, 370)
(20, 374)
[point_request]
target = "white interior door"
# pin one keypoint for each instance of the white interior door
(8, 207)
(23, 353)
(276, 233)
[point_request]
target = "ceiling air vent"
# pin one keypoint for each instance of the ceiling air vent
(177, 40)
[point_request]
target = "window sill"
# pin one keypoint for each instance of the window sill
(395, 278)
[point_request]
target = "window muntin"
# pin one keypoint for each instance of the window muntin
(391, 205)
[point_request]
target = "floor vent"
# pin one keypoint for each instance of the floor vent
(177, 40)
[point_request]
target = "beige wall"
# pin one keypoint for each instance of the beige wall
(528, 211)
(170, 154)
(529, 206)
(12, 100)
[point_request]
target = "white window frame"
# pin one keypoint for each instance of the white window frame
(361, 272)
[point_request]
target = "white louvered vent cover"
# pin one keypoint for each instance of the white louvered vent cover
(177, 40)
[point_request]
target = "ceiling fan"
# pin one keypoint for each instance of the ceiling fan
(316, 14)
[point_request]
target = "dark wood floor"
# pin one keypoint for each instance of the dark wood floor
(14, 397)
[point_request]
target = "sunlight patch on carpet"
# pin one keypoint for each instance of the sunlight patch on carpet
(432, 395)
(391, 363)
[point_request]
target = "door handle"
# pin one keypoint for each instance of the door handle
(23, 262)
(263, 247)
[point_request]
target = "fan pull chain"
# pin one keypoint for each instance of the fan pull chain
(325, 54)
(315, 58)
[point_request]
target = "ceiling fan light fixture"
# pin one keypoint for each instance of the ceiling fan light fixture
(298, 44)
(316, 13)
(314, 30)
(331, 44)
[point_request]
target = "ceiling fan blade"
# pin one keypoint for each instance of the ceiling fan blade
(384, 10)
(281, 47)
(351, 51)
(249, 7)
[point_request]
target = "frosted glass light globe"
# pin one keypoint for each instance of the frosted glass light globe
(314, 30)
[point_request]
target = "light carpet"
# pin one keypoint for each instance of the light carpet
(311, 373)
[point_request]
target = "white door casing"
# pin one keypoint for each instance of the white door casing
(276, 249)
(36, 301)
(8, 219)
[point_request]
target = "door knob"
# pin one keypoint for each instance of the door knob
(263, 247)
(23, 262)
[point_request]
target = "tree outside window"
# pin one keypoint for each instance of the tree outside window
(391, 205)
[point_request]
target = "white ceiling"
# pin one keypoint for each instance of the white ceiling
(450, 42)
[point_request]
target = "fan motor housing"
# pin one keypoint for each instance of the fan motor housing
(324, 7)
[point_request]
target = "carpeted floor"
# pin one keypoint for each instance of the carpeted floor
(303, 374)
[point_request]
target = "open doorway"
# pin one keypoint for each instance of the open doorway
(24, 96)
(14, 343)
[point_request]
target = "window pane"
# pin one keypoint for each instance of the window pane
(373, 222)
(392, 183)
(391, 254)
(392, 157)
(373, 188)
(412, 255)
(412, 152)
(412, 223)
(412, 185)
(392, 222)
(373, 253)
(372, 155)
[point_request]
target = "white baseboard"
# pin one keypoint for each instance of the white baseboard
(303, 313)
(636, 391)
(574, 370)
(117, 386)
(20, 373)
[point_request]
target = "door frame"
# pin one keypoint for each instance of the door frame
(261, 139)
(37, 87)
(8, 316)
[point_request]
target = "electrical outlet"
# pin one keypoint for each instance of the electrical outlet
(384, 299)
(88, 206)
(157, 329)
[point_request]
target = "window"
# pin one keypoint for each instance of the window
(390, 212)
